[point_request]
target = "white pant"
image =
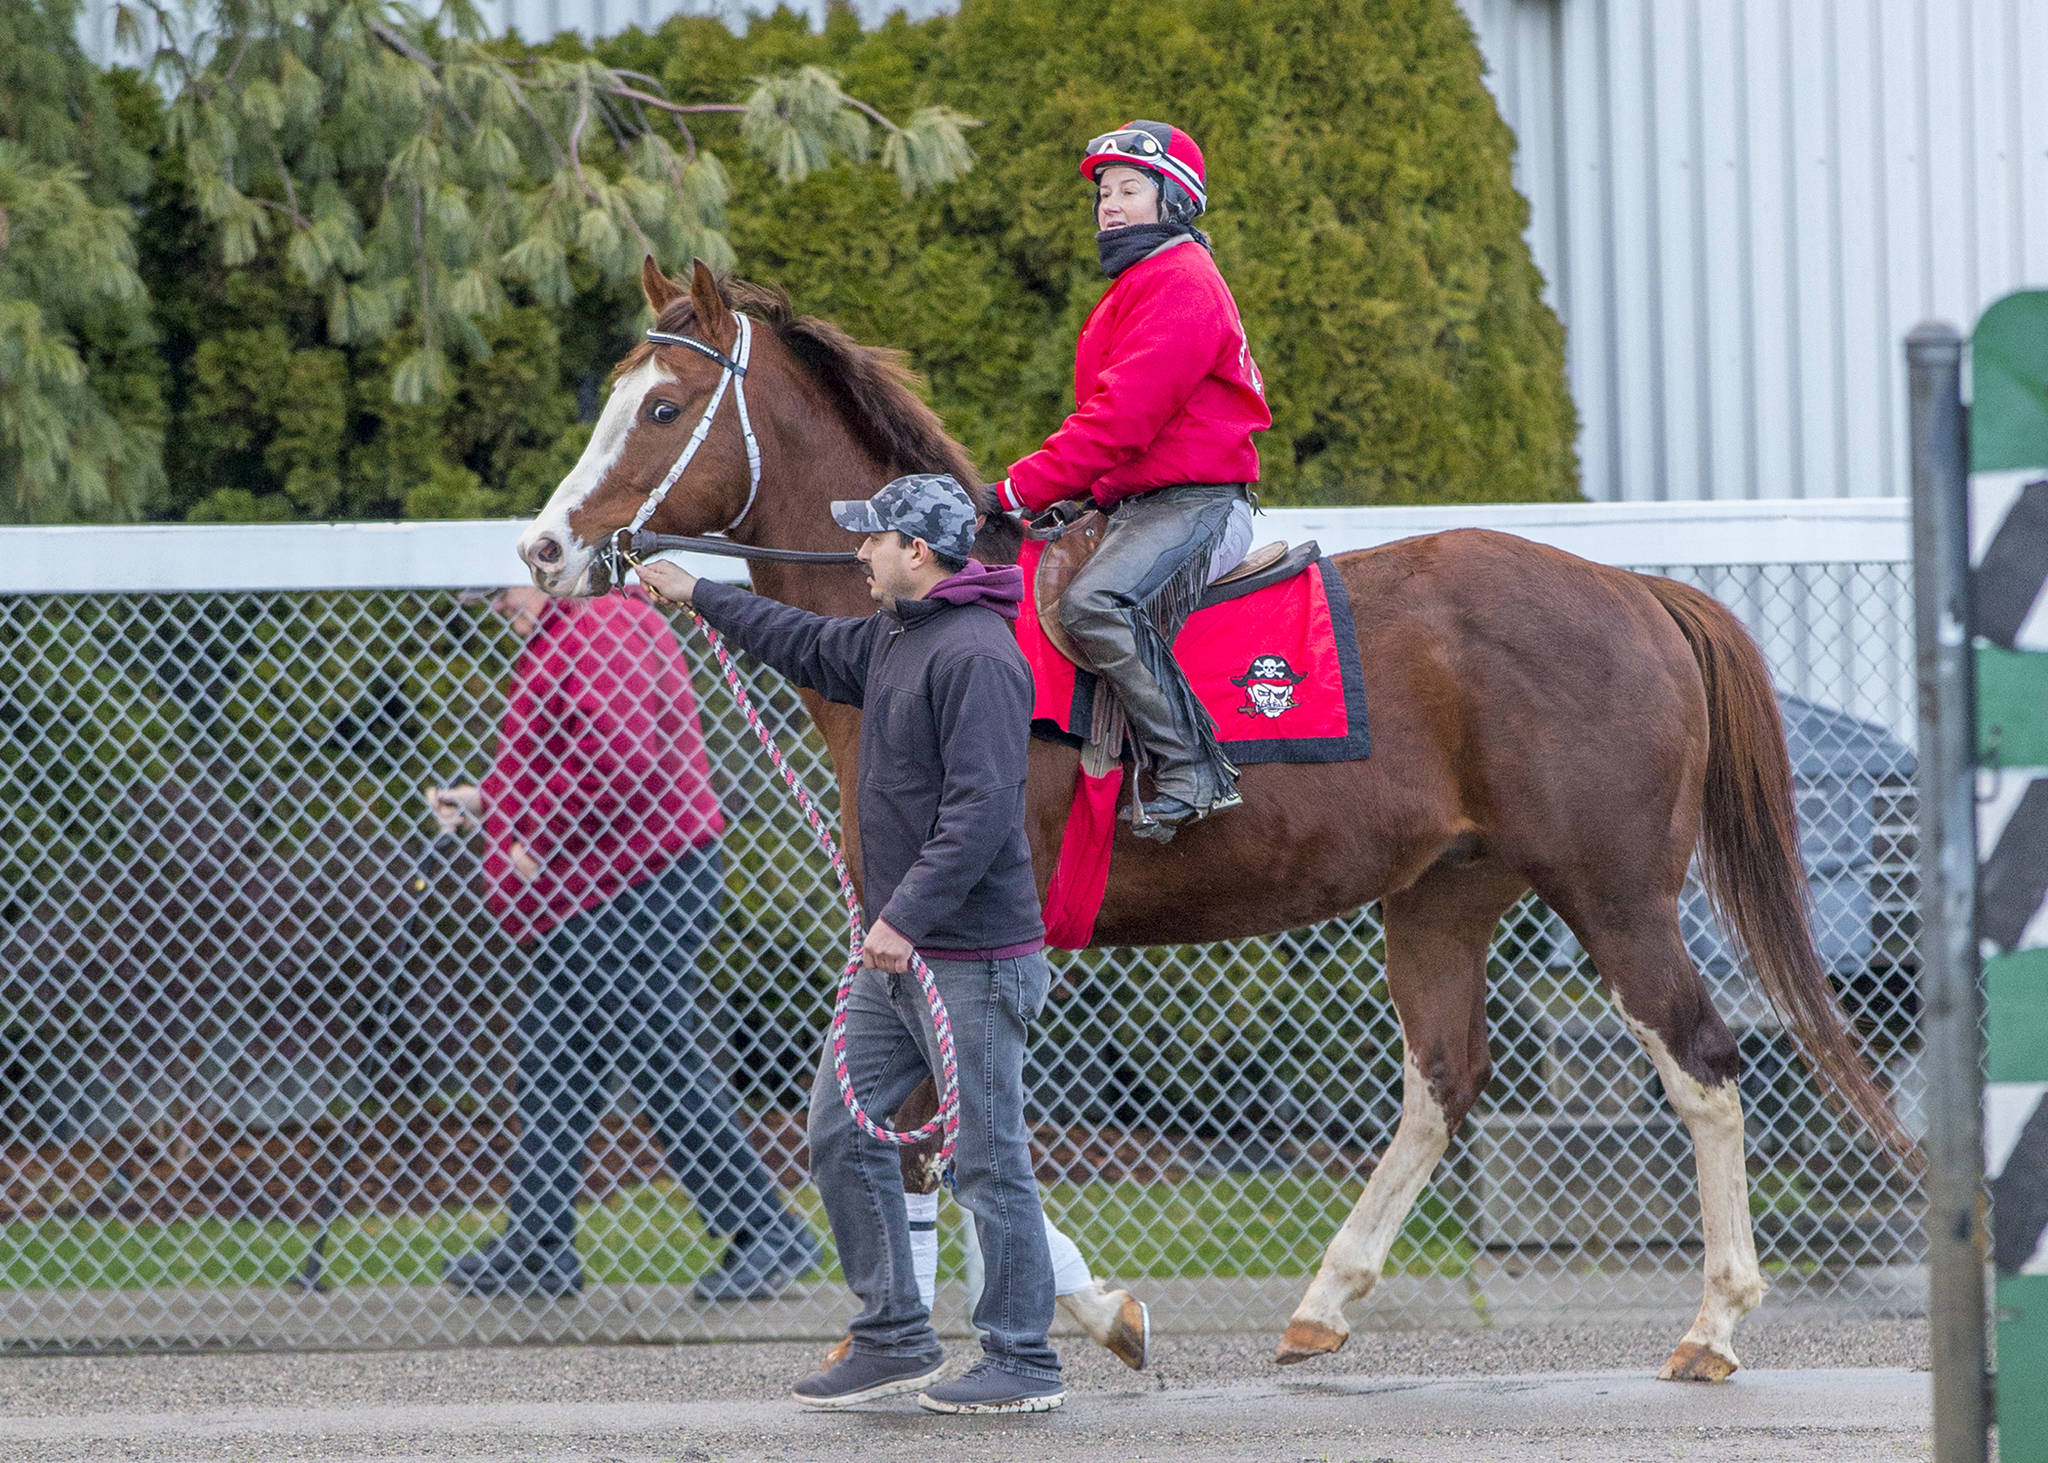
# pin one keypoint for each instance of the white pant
(1069, 1271)
(1231, 546)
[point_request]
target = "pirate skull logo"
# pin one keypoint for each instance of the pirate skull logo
(1269, 683)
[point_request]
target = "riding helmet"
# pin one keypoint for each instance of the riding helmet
(1165, 154)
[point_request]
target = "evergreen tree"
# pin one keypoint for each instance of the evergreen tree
(1362, 209)
(81, 410)
(411, 172)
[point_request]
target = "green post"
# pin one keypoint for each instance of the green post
(2009, 624)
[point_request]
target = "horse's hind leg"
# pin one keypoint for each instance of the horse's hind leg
(1438, 933)
(1665, 1004)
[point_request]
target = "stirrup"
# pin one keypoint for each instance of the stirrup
(1169, 814)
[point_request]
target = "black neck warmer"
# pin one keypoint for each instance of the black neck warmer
(1119, 249)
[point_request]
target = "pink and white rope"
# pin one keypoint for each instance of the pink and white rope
(947, 1120)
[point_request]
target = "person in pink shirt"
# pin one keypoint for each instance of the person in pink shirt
(602, 859)
(1166, 399)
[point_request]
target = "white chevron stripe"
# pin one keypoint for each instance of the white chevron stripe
(2007, 1106)
(1992, 495)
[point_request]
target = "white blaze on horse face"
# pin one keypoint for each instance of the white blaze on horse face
(1713, 1115)
(607, 442)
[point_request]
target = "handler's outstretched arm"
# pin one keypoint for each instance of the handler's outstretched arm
(823, 653)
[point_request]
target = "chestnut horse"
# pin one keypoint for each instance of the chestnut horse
(1539, 722)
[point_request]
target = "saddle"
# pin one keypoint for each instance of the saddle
(1073, 540)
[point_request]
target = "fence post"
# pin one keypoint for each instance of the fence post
(1951, 1003)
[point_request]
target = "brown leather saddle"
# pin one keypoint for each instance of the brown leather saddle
(1072, 542)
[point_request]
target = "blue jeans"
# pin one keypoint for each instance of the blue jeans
(889, 1050)
(614, 992)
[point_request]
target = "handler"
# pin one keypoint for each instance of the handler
(946, 705)
(1166, 399)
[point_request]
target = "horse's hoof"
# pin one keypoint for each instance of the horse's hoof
(1693, 1362)
(837, 1354)
(1130, 1335)
(1307, 1340)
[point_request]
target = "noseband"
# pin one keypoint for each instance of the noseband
(632, 543)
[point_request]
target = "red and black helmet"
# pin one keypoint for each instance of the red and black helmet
(1165, 152)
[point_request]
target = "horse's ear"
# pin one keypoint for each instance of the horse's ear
(661, 291)
(714, 317)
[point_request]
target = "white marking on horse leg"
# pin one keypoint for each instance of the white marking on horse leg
(1115, 1320)
(1070, 1270)
(607, 440)
(1093, 1309)
(1356, 1257)
(1734, 1282)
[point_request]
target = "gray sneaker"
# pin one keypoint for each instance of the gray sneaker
(986, 1387)
(762, 1267)
(862, 1376)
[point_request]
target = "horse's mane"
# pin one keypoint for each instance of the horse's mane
(873, 387)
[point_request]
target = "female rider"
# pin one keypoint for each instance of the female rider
(1166, 399)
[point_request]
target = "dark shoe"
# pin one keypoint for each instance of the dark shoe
(1166, 814)
(1163, 817)
(763, 1266)
(865, 1377)
(517, 1267)
(987, 1388)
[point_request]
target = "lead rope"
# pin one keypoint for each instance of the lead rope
(947, 1120)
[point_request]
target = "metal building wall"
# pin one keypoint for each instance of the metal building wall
(1743, 205)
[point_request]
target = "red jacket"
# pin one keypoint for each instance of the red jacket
(1165, 391)
(600, 770)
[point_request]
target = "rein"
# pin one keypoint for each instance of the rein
(645, 545)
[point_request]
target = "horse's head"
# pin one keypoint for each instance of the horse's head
(660, 395)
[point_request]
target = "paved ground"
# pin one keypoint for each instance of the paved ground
(1817, 1386)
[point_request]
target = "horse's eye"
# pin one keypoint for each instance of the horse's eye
(663, 412)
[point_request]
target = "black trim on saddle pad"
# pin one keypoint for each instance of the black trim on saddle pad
(1354, 746)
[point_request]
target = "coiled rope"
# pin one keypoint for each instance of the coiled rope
(946, 1123)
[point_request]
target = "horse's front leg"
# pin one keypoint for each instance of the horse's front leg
(1358, 1255)
(1438, 932)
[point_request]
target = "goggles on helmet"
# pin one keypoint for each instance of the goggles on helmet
(1131, 142)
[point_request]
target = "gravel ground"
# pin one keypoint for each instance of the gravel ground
(761, 1370)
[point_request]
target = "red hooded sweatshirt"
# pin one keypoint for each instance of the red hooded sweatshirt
(600, 770)
(1165, 391)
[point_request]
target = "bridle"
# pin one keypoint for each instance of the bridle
(632, 543)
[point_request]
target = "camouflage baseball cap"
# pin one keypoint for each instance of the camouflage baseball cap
(927, 505)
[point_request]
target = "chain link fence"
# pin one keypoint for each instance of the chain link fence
(247, 1000)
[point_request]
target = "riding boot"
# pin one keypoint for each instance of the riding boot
(1123, 611)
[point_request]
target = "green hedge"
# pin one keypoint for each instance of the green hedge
(1362, 209)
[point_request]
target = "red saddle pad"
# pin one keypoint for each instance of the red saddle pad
(1279, 672)
(1277, 669)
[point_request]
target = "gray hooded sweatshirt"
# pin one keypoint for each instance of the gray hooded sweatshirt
(945, 697)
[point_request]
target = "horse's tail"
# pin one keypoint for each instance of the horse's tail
(1749, 841)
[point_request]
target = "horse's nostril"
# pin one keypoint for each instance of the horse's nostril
(548, 551)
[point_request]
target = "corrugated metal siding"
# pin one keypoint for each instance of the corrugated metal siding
(1742, 205)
